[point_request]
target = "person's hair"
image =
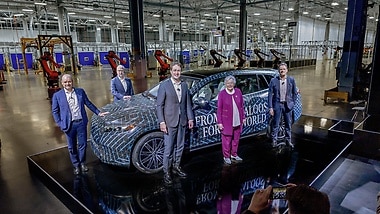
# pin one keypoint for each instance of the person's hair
(175, 63)
(282, 64)
(305, 199)
(120, 66)
(66, 76)
(228, 78)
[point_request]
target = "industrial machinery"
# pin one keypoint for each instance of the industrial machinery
(164, 66)
(240, 55)
(218, 62)
(111, 56)
(259, 54)
(277, 57)
(52, 76)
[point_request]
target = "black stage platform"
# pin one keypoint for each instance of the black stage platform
(322, 145)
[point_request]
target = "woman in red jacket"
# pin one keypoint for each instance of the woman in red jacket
(230, 117)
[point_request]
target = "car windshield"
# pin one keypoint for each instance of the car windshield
(189, 80)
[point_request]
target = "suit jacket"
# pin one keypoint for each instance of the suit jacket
(225, 111)
(61, 110)
(117, 88)
(169, 109)
(274, 93)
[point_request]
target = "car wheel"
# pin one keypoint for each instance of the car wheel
(148, 153)
(151, 200)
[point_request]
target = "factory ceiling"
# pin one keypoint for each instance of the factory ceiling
(197, 16)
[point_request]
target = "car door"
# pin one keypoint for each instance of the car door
(206, 132)
(255, 93)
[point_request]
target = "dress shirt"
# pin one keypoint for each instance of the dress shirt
(283, 90)
(235, 110)
(177, 87)
(124, 83)
(73, 104)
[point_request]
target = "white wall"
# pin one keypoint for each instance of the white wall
(15, 35)
(311, 30)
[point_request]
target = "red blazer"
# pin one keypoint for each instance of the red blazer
(224, 112)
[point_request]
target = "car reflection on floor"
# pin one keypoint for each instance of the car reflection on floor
(211, 187)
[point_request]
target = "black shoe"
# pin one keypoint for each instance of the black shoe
(84, 168)
(178, 171)
(291, 145)
(274, 143)
(76, 170)
(167, 179)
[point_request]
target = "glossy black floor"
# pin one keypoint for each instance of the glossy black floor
(45, 182)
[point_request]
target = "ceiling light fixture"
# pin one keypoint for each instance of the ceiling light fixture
(27, 10)
(334, 4)
(40, 3)
(125, 12)
(88, 8)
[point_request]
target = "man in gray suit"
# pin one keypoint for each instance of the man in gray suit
(174, 112)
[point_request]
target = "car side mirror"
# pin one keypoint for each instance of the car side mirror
(201, 102)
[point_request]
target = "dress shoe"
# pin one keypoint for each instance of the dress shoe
(178, 171)
(274, 143)
(76, 170)
(290, 144)
(84, 168)
(167, 179)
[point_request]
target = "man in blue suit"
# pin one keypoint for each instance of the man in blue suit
(70, 115)
(121, 86)
(281, 98)
(174, 113)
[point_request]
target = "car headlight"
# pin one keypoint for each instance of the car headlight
(119, 128)
(117, 125)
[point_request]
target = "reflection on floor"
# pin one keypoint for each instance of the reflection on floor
(210, 186)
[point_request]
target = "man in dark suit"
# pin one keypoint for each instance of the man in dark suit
(121, 86)
(174, 112)
(281, 98)
(70, 115)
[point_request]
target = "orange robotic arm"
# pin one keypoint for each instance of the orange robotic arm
(52, 76)
(110, 58)
(164, 67)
